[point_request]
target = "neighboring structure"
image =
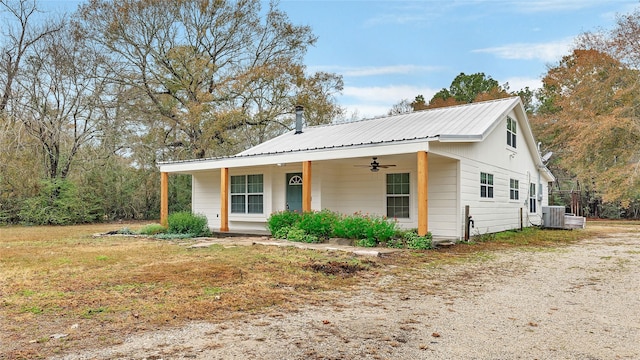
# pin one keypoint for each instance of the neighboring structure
(421, 168)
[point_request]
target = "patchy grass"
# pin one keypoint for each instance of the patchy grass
(56, 277)
(61, 280)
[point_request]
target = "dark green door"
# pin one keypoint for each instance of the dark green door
(294, 192)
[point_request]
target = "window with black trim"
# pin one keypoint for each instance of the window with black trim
(514, 189)
(398, 195)
(511, 132)
(247, 194)
(533, 201)
(486, 185)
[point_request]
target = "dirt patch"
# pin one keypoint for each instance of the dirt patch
(336, 268)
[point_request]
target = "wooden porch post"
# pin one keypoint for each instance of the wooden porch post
(306, 186)
(164, 198)
(224, 200)
(423, 193)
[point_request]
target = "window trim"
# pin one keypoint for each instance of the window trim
(247, 194)
(488, 185)
(533, 199)
(512, 131)
(514, 189)
(401, 195)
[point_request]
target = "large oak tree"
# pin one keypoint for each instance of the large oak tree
(208, 72)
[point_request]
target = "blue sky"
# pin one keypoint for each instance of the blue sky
(393, 50)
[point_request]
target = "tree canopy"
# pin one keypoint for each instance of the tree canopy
(89, 106)
(589, 118)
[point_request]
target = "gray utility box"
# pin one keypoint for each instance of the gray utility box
(553, 217)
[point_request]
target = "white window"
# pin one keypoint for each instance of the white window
(532, 198)
(486, 185)
(398, 195)
(511, 132)
(247, 194)
(514, 189)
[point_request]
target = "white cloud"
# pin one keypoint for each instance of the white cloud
(519, 83)
(387, 70)
(548, 52)
(386, 94)
(363, 71)
(377, 100)
(553, 5)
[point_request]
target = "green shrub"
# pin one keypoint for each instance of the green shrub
(315, 226)
(283, 219)
(282, 233)
(414, 241)
(351, 227)
(184, 222)
(319, 223)
(152, 229)
(368, 230)
(59, 203)
(299, 235)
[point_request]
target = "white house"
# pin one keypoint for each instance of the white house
(422, 168)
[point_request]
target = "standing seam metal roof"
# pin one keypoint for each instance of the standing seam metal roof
(464, 122)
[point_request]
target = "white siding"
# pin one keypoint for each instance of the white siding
(493, 156)
(205, 196)
(443, 199)
(454, 181)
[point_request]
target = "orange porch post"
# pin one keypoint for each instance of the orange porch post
(164, 198)
(423, 193)
(224, 200)
(306, 186)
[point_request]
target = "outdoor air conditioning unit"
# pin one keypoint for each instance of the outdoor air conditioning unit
(553, 217)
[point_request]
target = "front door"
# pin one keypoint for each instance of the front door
(294, 192)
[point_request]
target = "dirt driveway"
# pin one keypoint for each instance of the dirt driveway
(576, 302)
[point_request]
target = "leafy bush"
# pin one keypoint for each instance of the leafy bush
(299, 235)
(319, 224)
(152, 229)
(368, 230)
(414, 241)
(283, 219)
(184, 222)
(59, 203)
(282, 233)
(295, 234)
(351, 227)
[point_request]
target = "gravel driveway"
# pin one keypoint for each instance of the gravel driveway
(576, 302)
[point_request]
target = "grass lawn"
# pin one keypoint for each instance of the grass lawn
(93, 291)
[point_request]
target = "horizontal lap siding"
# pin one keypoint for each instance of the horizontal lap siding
(206, 196)
(494, 157)
(358, 190)
(443, 199)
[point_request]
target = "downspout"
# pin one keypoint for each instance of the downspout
(538, 198)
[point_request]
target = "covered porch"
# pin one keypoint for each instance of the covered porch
(418, 189)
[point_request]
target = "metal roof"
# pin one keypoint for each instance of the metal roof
(464, 123)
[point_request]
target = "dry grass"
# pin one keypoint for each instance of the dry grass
(56, 277)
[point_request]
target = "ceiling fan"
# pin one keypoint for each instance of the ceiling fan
(375, 166)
